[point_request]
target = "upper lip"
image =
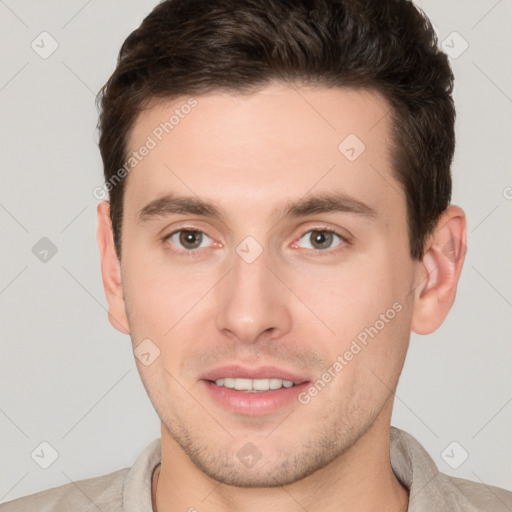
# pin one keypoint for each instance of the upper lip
(262, 372)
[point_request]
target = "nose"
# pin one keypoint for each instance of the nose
(253, 301)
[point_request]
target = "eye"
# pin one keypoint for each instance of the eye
(188, 239)
(322, 239)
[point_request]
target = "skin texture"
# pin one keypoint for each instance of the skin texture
(293, 307)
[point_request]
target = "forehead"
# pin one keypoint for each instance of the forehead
(251, 150)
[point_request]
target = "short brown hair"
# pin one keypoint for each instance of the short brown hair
(190, 47)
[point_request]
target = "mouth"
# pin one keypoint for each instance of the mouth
(254, 385)
(253, 392)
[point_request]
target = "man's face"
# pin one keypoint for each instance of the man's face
(256, 288)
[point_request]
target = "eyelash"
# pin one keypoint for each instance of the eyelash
(195, 252)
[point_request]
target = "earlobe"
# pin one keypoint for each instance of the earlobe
(111, 270)
(439, 272)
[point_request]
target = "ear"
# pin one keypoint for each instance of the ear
(439, 271)
(111, 270)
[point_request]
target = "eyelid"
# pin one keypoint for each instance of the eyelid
(337, 231)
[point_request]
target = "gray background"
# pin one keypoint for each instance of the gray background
(68, 378)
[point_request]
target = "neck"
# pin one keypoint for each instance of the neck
(360, 479)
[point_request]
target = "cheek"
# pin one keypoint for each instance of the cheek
(353, 296)
(367, 306)
(158, 291)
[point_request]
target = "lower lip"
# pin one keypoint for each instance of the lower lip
(253, 404)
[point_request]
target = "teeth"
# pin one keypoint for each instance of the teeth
(253, 385)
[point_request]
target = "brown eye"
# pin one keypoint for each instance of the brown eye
(188, 239)
(321, 239)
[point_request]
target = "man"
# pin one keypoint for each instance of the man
(278, 223)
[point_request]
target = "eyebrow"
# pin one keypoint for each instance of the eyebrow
(327, 202)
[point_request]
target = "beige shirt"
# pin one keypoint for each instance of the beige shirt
(129, 490)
